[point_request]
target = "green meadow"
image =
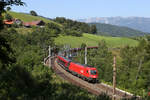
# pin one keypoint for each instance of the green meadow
(28, 18)
(93, 40)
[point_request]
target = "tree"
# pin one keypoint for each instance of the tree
(103, 96)
(33, 13)
(4, 3)
(8, 8)
(93, 29)
(5, 50)
(83, 45)
(1, 22)
(8, 17)
(68, 24)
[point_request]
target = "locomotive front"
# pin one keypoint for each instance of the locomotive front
(93, 74)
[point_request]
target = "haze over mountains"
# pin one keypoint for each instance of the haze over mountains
(138, 23)
(117, 31)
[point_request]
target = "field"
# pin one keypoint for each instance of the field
(29, 18)
(93, 40)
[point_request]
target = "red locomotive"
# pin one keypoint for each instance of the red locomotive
(85, 72)
(149, 94)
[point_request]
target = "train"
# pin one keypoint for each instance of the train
(85, 72)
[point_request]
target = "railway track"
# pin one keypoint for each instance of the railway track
(96, 88)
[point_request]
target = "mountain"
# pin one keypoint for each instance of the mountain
(116, 31)
(138, 23)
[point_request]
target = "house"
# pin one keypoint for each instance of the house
(8, 22)
(26, 24)
(18, 22)
(34, 23)
(14, 21)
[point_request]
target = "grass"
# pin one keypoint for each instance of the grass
(24, 30)
(29, 18)
(93, 40)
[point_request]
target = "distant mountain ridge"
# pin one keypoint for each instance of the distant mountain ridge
(116, 31)
(137, 23)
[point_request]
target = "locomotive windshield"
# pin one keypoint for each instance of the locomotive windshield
(93, 72)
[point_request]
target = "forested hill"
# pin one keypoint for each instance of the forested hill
(117, 31)
(137, 23)
(69, 27)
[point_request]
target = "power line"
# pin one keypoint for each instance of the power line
(114, 78)
(49, 56)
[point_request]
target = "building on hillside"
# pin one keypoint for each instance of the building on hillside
(14, 21)
(34, 23)
(25, 24)
(8, 23)
(18, 22)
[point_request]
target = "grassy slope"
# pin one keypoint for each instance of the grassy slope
(89, 39)
(93, 40)
(28, 18)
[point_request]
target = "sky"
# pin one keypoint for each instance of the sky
(78, 9)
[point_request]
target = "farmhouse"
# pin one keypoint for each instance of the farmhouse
(25, 24)
(8, 23)
(14, 21)
(34, 23)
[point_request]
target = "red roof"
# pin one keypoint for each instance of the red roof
(33, 23)
(8, 22)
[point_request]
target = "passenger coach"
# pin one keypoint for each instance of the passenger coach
(86, 72)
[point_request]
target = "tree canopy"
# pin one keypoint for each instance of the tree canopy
(77, 26)
(8, 8)
(8, 17)
(33, 13)
(4, 3)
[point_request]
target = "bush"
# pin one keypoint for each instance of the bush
(33, 13)
(8, 8)
(8, 17)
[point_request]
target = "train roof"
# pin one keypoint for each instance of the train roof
(84, 65)
(88, 65)
(83, 48)
(66, 58)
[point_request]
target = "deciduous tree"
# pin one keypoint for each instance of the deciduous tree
(93, 29)
(33, 13)
(8, 17)
(8, 8)
(5, 3)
